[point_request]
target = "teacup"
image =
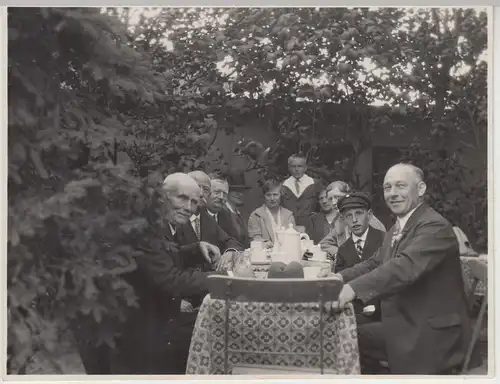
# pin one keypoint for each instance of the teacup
(307, 245)
(315, 248)
(311, 272)
(320, 255)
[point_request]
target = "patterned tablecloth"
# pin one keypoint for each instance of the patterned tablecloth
(468, 278)
(272, 334)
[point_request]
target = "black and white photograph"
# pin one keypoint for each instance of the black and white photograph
(248, 191)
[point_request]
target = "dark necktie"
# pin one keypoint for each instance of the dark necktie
(297, 186)
(359, 248)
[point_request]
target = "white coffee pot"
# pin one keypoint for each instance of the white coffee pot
(288, 243)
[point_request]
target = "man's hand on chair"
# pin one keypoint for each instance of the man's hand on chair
(346, 295)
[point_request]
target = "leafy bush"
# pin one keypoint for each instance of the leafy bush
(78, 99)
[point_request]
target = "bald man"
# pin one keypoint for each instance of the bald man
(156, 336)
(416, 274)
(203, 181)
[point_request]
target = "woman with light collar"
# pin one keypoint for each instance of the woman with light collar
(271, 216)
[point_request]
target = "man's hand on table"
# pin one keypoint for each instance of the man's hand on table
(346, 295)
(225, 261)
(210, 252)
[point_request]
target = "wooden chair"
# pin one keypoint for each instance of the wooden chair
(316, 291)
(479, 270)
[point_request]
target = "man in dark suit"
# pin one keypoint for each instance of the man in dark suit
(156, 336)
(425, 326)
(209, 231)
(230, 218)
(204, 224)
(363, 242)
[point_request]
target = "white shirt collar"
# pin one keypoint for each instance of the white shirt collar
(214, 215)
(304, 182)
(355, 238)
(403, 220)
(172, 229)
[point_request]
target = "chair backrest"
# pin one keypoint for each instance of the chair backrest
(274, 290)
(479, 270)
(464, 245)
(475, 271)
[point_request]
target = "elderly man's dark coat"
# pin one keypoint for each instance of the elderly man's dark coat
(425, 322)
(235, 226)
(156, 337)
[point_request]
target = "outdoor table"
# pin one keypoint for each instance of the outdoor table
(277, 327)
(265, 329)
(468, 278)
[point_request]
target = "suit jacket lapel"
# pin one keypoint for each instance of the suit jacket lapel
(267, 221)
(235, 222)
(241, 224)
(170, 237)
(168, 233)
(206, 224)
(370, 246)
(189, 233)
(351, 253)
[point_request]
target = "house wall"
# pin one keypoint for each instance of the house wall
(374, 161)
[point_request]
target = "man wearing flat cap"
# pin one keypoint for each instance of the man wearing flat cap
(355, 210)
